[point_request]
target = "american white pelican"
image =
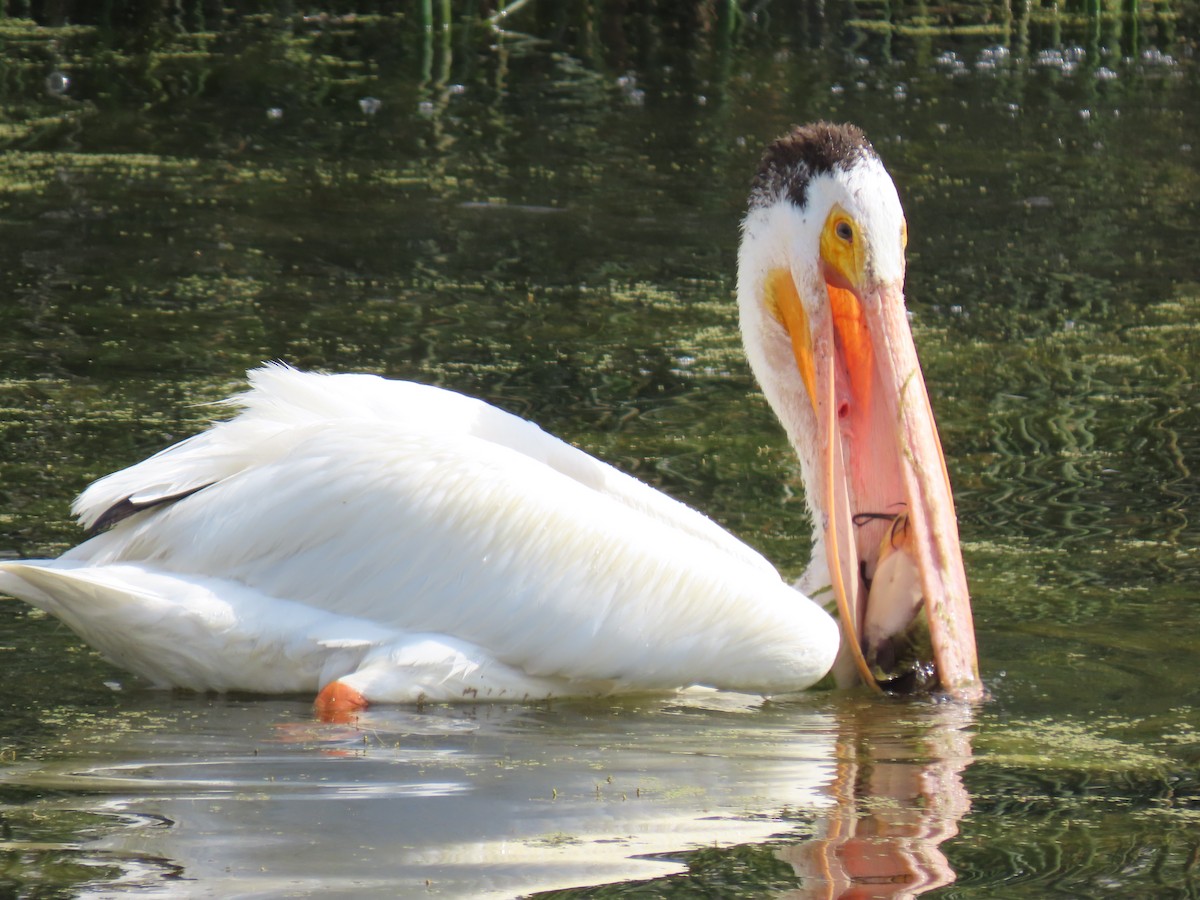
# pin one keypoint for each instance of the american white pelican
(383, 541)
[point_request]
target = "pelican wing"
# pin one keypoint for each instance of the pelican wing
(282, 401)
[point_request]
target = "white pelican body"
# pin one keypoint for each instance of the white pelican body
(415, 544)
(385, 541)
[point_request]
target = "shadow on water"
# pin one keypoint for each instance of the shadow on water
(540, 208)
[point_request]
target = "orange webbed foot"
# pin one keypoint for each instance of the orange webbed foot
(338, 702)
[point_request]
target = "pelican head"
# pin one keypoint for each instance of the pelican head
(821, 301)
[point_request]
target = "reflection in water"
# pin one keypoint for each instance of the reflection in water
(899, 796)
(501, 799)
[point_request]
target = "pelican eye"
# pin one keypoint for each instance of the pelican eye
(845, 232)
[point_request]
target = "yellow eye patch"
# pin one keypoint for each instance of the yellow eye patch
(842, 248)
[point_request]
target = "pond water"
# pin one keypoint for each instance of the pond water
(545, 216)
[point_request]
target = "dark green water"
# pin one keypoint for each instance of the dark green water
(547, 218)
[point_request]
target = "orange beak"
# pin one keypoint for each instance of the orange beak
(891, 535)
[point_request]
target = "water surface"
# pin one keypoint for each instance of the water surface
(546, 217)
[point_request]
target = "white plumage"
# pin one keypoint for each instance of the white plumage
(415, 544)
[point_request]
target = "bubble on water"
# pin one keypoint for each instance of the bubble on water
(1066, 60)
(57, 83)
(1156, 57)
(990, 58)
(837, 90)
(1050, 58)
(634, 95)
(370, 105)
(952, 62)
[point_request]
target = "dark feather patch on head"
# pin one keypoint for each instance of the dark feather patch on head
(789, 163)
